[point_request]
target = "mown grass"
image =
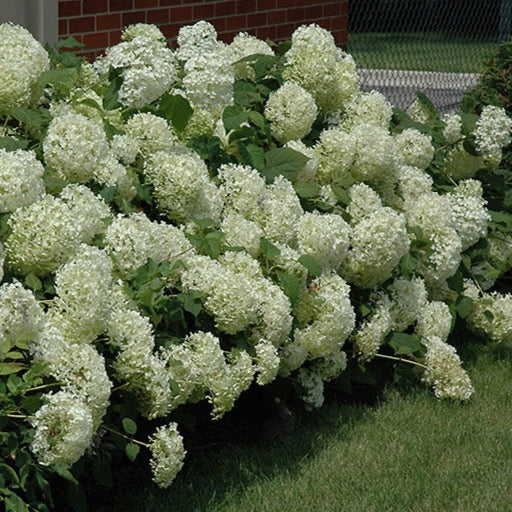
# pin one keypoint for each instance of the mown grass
(419, 52)
(409, 453)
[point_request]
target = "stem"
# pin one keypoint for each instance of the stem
(44, 386)
(16, 416)
(401, 360)
(131, 439)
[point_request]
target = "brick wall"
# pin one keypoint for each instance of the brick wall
(98, 23)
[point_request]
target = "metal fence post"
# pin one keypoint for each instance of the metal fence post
(505, 19)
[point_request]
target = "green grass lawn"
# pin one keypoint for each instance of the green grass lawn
(418, 51)
(409, 453)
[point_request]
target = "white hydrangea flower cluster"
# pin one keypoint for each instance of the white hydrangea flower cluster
(43, 237)
(21, 175)
(444, 371)
(470, 215)
(22, 61)
(83, 302)
(291, 111)
(21, 317)
(167, 454)
(434, 319)
(334, 317)
(492, 133)
(408, 298)
(64, 429)
(325, 237)
(196, 39)
(240, 232)
(377, 244)
(148, 134)
(147, 66)
(370, 335)
(335, 151)
(416, 148)
(78, 366)
(182, 186)
(364, 201)
(452, 130)
(491, 315)
(136, 364)
(368, 108)
(75, 146)
(317, 65)
(267, 362)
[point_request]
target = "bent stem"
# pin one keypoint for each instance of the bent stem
(120, 434)
(401, 360)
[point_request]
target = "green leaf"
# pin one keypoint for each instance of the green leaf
(405, 344)
(306, 190)
(132, 450)
(63, 79)
(69, 43)
(470, 147)
(261, 64)
(464, 306)
(9, 368)
(64, 472)
(408, 264)
(13, 143)
(308, 261)
(456, 282)
(129, 426)
(246, 94)
(258, 120)
(252, 155)
(33, 282)
(177, 110)
(9, 473)
(191, 303)
(233, 116)
(283, 162)
(268, 249)
(290, 285)
(111, 93)
(14, 503)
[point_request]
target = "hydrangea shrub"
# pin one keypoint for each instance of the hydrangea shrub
(178, 225)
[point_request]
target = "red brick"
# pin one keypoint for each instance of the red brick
(158, 16)
(308, 3)
(96, 40)
(263, 5)
(266, 33)
(170, 31)
(94, 6)
(170, 2)
(121, 5)
(89, 55)
(285, 4)
(228, 36)
(203, 11)
(236, 22)
(144, 4)
(219, 24)
(181, 13)
(82, 24)
(69, 9)
(332, 9)
(114, 36)
(285, 31)
(63, 27)
(108, 21)
(224, 8)
(244, 6)
(311, 12)
(257, 19)
(129, 18)
(295, 14)
(344, 8)
(276, 17)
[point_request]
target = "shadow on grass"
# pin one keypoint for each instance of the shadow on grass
(234, 457)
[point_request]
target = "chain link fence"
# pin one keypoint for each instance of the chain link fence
(438, 47)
